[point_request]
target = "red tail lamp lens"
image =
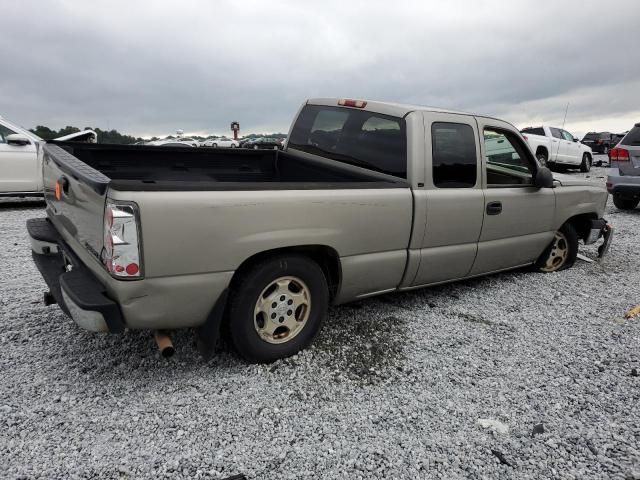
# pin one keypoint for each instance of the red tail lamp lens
(132, 268)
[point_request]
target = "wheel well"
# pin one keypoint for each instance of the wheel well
(326, 257)
(582, 223)
(542, 150)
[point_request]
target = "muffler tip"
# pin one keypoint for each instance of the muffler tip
(164, 343)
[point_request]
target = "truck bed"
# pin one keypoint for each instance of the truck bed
(156, 168)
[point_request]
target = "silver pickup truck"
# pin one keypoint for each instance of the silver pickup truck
(366, 198)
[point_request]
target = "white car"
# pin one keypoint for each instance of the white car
(224, 143)
(20, 163)
(557, 148)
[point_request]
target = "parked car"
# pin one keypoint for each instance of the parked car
(557, 148)
(188, 140)
(174, 142)
(244, 141)
(225, 143)
(263, 142)
(623, 182)
(355, 206)
(20, 167)
(599, 142)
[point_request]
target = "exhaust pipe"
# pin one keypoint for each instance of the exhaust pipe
(165, 345)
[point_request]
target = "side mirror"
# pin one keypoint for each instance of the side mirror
(543, 178)
(18, 139)
(575, 139)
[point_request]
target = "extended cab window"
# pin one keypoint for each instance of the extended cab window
(357, 137)
(507, 160)
(455, 161)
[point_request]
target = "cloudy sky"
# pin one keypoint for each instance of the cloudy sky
(149, 68)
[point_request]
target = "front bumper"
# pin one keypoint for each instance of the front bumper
(600, 229)
(74, 288)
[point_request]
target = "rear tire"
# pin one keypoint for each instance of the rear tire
(561, 252)
(255, 147)
(214, 145)
(625, 203)
(542, 158)
(277, 307)
(585, 166)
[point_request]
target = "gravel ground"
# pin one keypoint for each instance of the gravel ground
(448, 382)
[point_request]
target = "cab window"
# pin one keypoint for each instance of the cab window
(567, 135)
(454, 157)
(508, 163)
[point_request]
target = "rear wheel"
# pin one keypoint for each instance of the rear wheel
(277, 308)
(542, 158)
(625, 203)
(214, 145)
(255, 147)
(585, 166)
(562, 251)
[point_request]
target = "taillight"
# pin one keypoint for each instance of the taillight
(599, 141)
(121, 252)
(619, 155)
(352, 103)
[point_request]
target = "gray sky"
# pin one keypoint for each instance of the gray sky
(149, 68)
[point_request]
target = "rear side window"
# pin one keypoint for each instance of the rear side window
(632, 138)
(533, 131)
(455, 160)
(555, 132)
(357, 137)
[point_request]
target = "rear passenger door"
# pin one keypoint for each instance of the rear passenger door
(558, 151)
(518, 217)
(453, 196)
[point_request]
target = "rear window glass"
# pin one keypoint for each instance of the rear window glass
(591, 136)
(632, 138)
(357, 137)
(533, 131)
(454, 155)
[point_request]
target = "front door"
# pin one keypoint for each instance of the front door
(453, 196)
(572, 149)
(18, 165)
(518, 217)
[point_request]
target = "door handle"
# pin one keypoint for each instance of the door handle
(494, 208)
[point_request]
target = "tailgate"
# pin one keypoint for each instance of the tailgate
(75, 194)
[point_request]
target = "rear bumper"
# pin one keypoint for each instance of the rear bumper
(625, 186)
(75, 289)
(98, 302)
